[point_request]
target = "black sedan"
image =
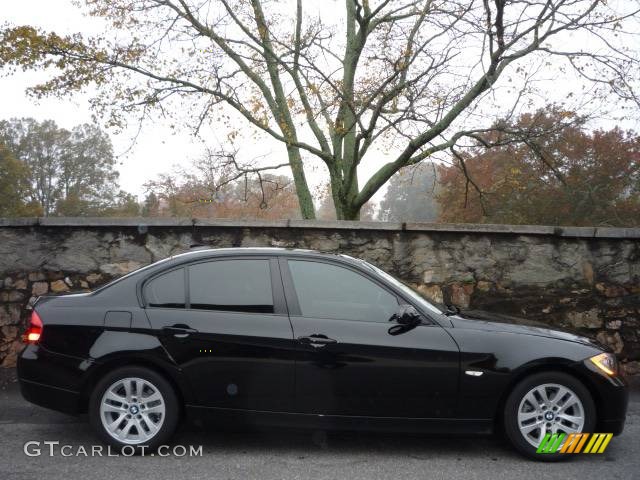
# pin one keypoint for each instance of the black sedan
(266, 336)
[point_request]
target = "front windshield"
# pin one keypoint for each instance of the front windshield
(409, 291)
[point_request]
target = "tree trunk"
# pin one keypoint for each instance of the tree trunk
(302, 188)
(351, 214)
(345, 149)
(343, 204)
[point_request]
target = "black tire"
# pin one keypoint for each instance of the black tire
(510, 420)
(171, 404)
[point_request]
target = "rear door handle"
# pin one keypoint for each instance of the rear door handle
(317, 340)
(179, 331)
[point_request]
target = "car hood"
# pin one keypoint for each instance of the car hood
(488, 321)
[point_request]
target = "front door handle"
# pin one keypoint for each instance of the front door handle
(317, 340)
(179, 330)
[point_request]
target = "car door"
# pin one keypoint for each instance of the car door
(224, 322)
(351, 359)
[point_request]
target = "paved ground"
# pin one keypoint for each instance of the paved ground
(295, 455)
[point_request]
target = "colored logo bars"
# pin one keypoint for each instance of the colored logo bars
(574, 443)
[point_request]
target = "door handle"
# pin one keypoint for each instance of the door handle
(179, 331)
(316, 340)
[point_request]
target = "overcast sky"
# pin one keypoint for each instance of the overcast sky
(157, 148)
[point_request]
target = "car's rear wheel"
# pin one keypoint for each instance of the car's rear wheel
(135, 407)
(547, 403)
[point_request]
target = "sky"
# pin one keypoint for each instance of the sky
(143, 155)
(157, 148)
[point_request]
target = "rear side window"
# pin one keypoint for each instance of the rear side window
(231, 285)
(329, 291)
(167, 290)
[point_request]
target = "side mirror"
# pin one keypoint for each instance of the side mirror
(406, 315)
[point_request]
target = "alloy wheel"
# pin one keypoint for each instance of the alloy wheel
(549, 408)
(132, 410)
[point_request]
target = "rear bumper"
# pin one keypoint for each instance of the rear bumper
(51, 380)
(47, 396)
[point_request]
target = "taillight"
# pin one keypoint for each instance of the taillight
(32, 335)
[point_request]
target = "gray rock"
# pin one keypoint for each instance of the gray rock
(36, 276)
(9, 314)
(121, 268)
(16, 296)
(611, 339)
(588, 319)
(39, 288)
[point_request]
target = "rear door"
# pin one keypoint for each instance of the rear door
(352, 360)
(224, 321)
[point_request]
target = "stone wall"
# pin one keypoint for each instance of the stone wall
(587, 278)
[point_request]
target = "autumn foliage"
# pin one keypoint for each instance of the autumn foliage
(571, 177)
(202, 191)
(339, 82)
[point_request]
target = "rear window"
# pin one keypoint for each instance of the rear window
(166, 290)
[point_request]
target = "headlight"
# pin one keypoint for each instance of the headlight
(606, 363)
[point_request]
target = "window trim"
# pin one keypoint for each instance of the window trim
(292, 295)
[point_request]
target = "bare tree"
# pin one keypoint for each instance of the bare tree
(414, 77)
(217, 185)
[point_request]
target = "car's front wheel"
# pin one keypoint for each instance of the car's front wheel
(547, 403)
(134, 406)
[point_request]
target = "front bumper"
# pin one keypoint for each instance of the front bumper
(611, 394)
(612, 426)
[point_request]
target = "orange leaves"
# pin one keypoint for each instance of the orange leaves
(588, 178)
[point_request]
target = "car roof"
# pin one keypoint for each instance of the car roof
(204, 253)
(197, 253)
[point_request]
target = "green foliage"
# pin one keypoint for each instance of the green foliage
(411, 196)
(151, 205)
(70, 173)
(124, 205)
(14, 182)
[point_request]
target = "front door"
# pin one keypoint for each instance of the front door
(351, 361)
(229, 333)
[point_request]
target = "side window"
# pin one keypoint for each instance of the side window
(231, 285)
(166, 290)
(329, 291)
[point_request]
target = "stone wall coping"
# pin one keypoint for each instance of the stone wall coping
(544, 230)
